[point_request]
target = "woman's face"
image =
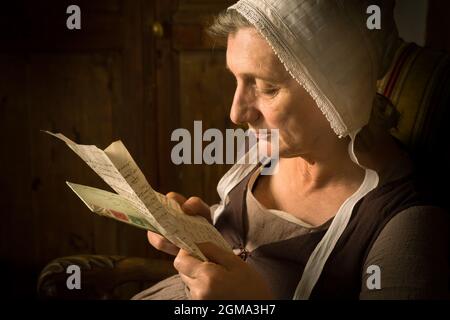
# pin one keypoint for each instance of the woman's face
(267, 97)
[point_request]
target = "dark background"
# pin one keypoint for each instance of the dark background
(116, 78)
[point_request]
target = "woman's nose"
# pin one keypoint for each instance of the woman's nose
(243, 110)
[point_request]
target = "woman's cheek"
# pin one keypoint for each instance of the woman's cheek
(291, 137)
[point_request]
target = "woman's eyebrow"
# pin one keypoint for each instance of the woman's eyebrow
(257, 76)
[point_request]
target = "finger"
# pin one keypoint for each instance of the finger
(186, 264)
(190, 282)
(220, 256)
(162, 244)
(177, 197)
(195, 206)
(201, 287)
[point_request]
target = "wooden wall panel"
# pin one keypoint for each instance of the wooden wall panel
(198, 88)
(17, 233)
(113, 79)
(77, 98)
(95, 86)
(206, 92)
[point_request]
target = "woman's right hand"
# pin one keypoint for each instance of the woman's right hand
(192, 206)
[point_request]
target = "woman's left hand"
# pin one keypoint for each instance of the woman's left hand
(224, 277)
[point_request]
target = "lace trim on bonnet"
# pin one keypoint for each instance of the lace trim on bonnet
(291, 63)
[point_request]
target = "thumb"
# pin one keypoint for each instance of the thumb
(177, 197)
(195, 206)
(219, 255)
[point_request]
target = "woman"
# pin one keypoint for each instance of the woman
(342, 217)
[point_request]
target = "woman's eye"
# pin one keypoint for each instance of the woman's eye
(269, 91)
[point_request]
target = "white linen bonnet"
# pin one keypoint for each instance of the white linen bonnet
(328, 48)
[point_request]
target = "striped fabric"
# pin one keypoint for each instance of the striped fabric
(418, 84)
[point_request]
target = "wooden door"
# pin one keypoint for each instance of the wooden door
(95, 86)
(192, 84)
(115, 78)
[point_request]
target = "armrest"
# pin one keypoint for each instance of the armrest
(102, 277)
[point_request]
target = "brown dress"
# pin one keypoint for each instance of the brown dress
(278, 246)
